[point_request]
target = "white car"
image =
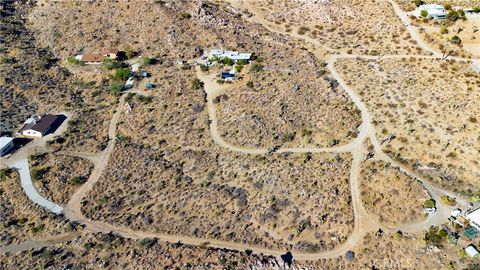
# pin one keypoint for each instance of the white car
(430, 210)
(455, 213)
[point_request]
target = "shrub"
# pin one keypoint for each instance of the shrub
(185, 15)
(429, 203)
(122, 74)
(204, 68)
(456, 39)
(75, 181)
(288, 137)
(147, 242)
(418, 2)
(129, 53)
(147, 61)
(197, 84)
(256, 67)
(115, 88)
(227, 61)
(250, 84)
(39, 173)
(144, 99)
(424, 13)
(238, 68)
(110, 64)
(447, 200)
(4, 173)
(73, 61)
(444, 30)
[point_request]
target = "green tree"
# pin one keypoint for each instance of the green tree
(197, 84)
(122, 74)
(456, 39)
(227, 61)
(129, 52)
(256, 67)
(73, 61)
(147, 61)
(429, 203)
(115, 88)
(418, 2)
(110, 64)
(424, 13)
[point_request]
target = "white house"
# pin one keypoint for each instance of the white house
(135, 68)
(6, 144)
(434, 11)
(38, 126)
(474, 218)
(471, 251)
(235, 56)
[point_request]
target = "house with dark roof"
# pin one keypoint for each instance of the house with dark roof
(39, 126)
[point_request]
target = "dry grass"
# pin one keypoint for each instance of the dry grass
(392, 196)
(426, 112)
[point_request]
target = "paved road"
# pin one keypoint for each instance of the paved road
(32, 193)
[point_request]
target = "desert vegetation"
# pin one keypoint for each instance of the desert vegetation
(425, 113)
(57, 176)
(23, 220)
(368, 27)
(391, 195)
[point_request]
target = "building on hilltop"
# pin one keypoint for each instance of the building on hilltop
(39, 126)
(6, 144)
(235, 56)
(474, 218)
(434, 11)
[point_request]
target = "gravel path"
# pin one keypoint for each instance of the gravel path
(32, 194)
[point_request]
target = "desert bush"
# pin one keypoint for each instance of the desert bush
(122, 74)
(429, 203)
(110, 64)
(115, 88)
(39, 173)
(256, 67)
(73, 61)
(197, 84)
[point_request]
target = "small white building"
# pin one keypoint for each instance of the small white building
(39, 126)
(6, 144)
(234, 55)
(455, 213)
(474, 218)
(471, 251)
(135, 68)
(434, 11)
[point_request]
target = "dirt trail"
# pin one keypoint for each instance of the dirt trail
(362, 224)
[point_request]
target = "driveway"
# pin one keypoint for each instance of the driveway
(32, 194)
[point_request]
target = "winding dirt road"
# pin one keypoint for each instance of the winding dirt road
(363, 222)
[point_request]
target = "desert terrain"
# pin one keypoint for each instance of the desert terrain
(345, 141)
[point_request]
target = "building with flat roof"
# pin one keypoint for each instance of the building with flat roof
(6, 144)
(474, 218)
(472, 251)
(39, 126)
(434, 11)
(235, 56)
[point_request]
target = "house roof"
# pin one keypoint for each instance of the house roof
(4, 141)
(42, 125)
(90, 57)
(472, 251)
(110, 50)
(474, 216)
